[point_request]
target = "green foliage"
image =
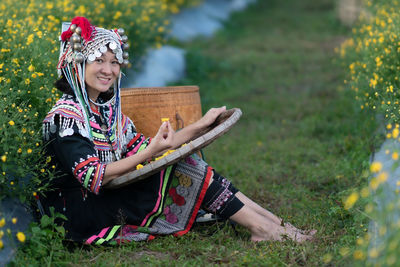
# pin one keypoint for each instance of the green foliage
(371, 56)
(44, 243)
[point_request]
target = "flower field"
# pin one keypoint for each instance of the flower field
(29, 50)
(372, 59)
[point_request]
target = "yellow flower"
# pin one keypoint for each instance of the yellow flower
(395, 133)
(14, 220)
(395, 156)
(376, 166)
(29, 151)
(373, 253)
(382, 177)
(1, 244)
(12, 123)
(358, 255)
(31, 68)
(2, 222)
(139, 166)
(117, 15)
(4, 158)
(351, 200)
(30, 39)
(20, 237)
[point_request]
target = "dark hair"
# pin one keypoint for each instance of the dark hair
(63, 85)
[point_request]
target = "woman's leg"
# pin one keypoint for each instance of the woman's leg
(223, 199)
(263, 229)
(269, 215)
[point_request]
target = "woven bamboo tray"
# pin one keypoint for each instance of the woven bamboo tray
(222, 124)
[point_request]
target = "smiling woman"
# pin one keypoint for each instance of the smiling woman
(91, 142)
(101, 74)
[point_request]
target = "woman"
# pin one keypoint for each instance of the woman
(91, 142)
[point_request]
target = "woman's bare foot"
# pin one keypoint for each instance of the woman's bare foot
(277, 233)
(291, 227)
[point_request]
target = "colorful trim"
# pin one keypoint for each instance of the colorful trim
(199, 201)
(90, 173)
(159, 207)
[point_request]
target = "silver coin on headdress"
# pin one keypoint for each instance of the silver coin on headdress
(103, 49)
(97, 53)
(112, 45)
(91, 57)
(119, 56)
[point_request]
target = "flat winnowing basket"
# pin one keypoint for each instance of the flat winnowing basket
(222, 124)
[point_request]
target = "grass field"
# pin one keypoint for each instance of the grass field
(298, 150)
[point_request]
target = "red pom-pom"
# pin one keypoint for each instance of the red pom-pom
(84, 24)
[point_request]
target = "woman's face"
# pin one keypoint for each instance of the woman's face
(101, 74)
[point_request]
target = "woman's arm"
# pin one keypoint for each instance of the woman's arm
(161, 142)
(165, 139)
(186, 134)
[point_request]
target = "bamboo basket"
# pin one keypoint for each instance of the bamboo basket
(146, 106)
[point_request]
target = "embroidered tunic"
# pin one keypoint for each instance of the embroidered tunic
(165, 203)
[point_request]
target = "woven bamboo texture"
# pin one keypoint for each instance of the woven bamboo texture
(146, 106)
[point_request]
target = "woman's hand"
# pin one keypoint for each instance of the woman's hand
(163, 140)
(211, 116)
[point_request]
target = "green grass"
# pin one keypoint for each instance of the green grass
(298, 149)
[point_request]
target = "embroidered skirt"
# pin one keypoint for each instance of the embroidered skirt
(163, 204)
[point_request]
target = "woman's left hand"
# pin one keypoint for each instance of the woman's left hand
(211, 116)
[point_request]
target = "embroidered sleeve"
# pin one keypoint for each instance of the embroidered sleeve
(77, 156)
(135, 141)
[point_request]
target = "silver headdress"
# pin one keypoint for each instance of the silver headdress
(82, 43)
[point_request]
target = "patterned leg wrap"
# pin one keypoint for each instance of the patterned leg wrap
(224, 182)
(220, 198)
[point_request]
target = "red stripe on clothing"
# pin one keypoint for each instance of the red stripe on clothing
(197, 206)
(134, 140)
(80, 165)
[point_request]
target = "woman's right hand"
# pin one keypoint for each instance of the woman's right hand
(163, 139)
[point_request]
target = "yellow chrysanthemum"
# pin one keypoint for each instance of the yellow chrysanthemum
(351, 200)
(4, 158)
(14, 220)
(395, 133)
(12, 123)
(376, 166)
(2, 222)
(139, 166)
(21, 237)
(31, 68)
